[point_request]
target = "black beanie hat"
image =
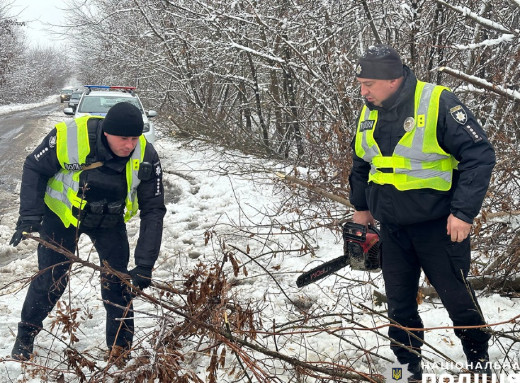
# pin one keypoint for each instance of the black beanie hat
(380, 62)
(124, 119)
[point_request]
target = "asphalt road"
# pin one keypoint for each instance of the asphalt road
(20, 133)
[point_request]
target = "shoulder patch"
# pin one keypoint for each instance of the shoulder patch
(52, 142)
(459, 114)
(366, 125)
(158, 169)
(473, 134)
(158, 178)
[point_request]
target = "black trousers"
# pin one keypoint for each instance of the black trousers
(407, 249)
(46, 289)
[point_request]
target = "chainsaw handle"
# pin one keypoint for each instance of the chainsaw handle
(376, 230)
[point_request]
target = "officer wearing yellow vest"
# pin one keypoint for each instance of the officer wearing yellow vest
(91, 175)
(421, 167)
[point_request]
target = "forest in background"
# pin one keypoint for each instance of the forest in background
(276, 78)
(28, 73)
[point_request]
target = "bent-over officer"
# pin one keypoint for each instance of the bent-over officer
(90, 176)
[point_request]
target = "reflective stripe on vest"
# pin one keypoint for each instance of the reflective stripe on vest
(417, 161)
(72, 148)
(132, 180)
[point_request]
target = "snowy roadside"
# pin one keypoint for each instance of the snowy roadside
(4, 109)
(205, 193)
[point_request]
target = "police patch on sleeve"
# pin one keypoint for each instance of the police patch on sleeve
(52, 142)
(473, 133)
(459, 114)
(42, 152)
(158, 178)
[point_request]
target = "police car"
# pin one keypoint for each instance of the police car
(98, 99)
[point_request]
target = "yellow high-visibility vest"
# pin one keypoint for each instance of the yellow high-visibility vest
(72, 148)
(418, 161)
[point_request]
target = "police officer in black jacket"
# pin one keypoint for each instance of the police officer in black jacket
(90, 176)
(422, 165)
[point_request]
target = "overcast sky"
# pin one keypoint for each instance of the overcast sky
(41, 17)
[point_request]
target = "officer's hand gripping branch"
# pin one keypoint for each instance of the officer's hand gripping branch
(27, 224)
(141, 276)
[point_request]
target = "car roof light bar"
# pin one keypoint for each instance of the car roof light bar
(129, 89)
(97, 86)
(123, 87)
(126, 89)
(90, 87)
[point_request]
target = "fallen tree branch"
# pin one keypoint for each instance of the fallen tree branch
(224, 334)
(314, 189)
(343, 201)
(481, 283)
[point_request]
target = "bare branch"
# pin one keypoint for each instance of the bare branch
(479, 19)
(481, 83)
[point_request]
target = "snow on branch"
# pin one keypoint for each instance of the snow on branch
(481, 83)
(479, 19)
(255, 52)
(505, 38)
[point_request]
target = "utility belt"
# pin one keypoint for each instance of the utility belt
(102, 214)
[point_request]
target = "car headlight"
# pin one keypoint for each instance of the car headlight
(146, 127)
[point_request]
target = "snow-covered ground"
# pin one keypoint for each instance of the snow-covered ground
(4, 109)
(208, 192)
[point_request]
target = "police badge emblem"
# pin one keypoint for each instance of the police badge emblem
(459, 114)
(358, 69)
(409, 124)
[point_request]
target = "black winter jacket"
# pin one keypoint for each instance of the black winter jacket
(105, 182)
(457, 133)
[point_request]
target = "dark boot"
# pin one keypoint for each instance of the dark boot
(415, 368)
(479, 363)
(118, 356)
(24, 344)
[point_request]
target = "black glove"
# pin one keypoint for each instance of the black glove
(141, 276)
(27, 225)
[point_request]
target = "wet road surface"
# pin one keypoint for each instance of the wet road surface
(20, 133)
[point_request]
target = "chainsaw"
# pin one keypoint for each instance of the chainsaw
(361, 250)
